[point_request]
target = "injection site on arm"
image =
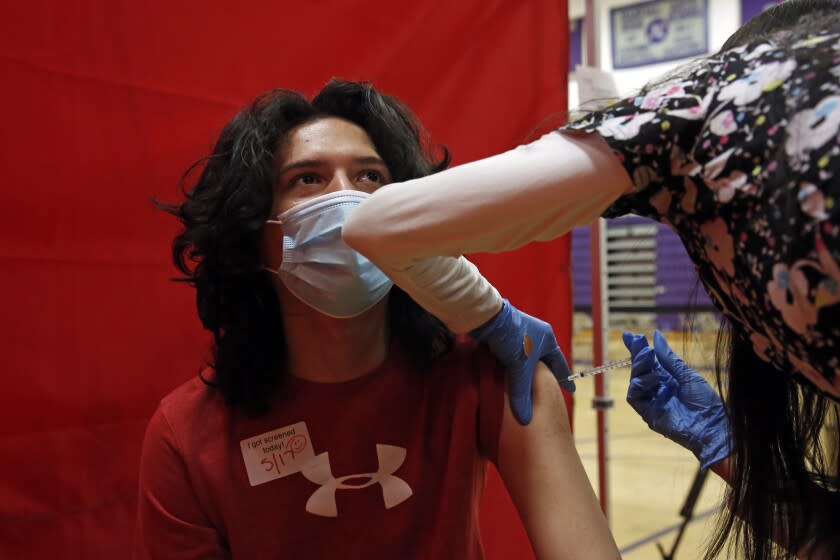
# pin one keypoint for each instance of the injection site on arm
(547, 483)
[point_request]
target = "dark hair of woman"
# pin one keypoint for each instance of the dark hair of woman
(782, 499)
(223, 215)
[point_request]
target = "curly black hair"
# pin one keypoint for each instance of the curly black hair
(224, 212)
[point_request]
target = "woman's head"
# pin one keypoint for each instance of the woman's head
(221, 248)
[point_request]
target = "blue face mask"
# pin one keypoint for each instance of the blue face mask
(318, 267)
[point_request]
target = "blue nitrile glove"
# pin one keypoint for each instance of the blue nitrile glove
(675, 400)
(505, 337)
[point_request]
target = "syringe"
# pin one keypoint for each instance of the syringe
(598, 369)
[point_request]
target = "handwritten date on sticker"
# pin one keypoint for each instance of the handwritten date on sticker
(277, 453)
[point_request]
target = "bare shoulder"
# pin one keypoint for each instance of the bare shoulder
(550, 416)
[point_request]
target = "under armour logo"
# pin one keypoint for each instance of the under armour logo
(394, 489)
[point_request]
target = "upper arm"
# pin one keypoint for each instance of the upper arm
(170, 522)
(538, 191)
(415, 231)
(545, 478)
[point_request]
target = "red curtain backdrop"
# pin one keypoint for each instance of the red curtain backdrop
(105, 103)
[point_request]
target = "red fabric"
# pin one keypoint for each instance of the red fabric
(106, 103)
(445, 423)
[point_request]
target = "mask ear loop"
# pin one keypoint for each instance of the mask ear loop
(278, 223)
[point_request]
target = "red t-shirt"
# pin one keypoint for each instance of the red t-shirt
(390, 465)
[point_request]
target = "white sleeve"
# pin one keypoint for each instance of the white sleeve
(416, 231)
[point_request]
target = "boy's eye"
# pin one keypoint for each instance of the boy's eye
(307, 179)
(373, 175)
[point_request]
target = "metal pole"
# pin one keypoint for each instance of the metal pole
(590, 32)
(600, 310)
(600, 326)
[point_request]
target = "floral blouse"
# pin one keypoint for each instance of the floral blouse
(742, 158)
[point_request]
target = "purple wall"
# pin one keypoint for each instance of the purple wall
(677, 289)
(575, 43)
(751, 8)
(677, 279)
(581, 270)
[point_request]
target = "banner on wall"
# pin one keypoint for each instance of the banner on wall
(658, 31)
(751, 8)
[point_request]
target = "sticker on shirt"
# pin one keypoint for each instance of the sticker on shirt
(277, 453)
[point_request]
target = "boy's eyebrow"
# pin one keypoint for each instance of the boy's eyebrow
(300, 163)
(310, 163)
(371, 160)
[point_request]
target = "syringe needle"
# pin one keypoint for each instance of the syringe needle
(599, 369)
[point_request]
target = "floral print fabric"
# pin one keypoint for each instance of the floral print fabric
(742, 158)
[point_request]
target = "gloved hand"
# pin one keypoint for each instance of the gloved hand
(675, 400)
(506, 336)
